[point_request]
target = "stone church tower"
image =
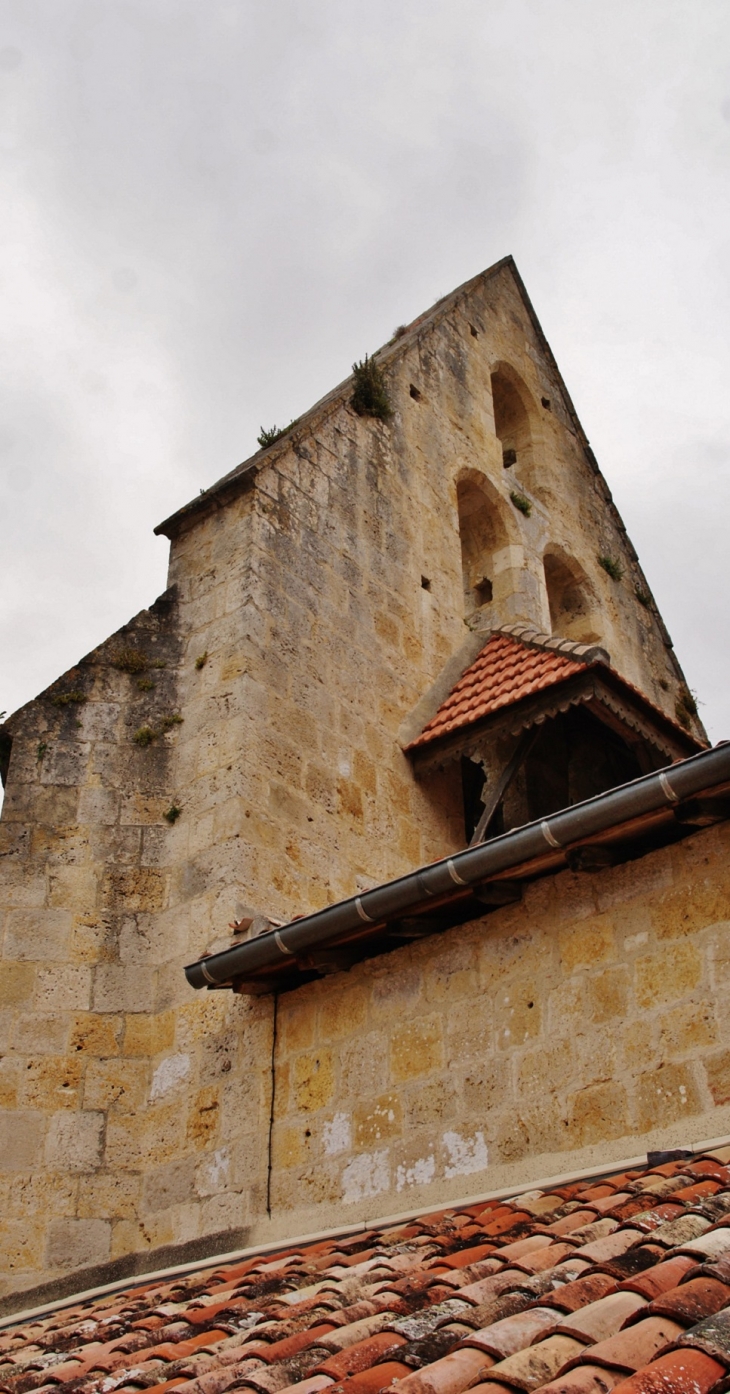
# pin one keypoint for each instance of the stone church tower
(412, 622)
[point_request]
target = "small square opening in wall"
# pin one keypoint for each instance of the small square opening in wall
(483, 591)
(546, 403)
(425, 583)
(415, 393)
(474, 332)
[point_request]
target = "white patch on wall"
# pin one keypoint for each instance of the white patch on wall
(215, 1172)
(169, 1073)
(337, 1135)
(419, 1174)
(365, 1176)
(466, 1154)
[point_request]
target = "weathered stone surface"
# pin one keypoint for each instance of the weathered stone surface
(296, 638)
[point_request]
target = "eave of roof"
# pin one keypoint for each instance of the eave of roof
(630, 820)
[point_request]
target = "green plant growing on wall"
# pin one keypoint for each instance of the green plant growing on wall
(370, 395)
(612, 567)
(41, 749)
(63, 699)
(201, 660)
(685, 707)
(643, 597)
(522, 504)
(129, 660)
(145, 735)
(173, 813)
(145, 684)
(266, 438)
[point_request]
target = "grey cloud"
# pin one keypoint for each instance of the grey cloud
(211, 210)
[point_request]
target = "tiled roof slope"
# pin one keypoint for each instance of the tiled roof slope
(617, 1284)
(504, 672)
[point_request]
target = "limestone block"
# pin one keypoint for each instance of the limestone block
(136, 1143)
(153, 939)
(39, 1033)
(65, 763)
(139, 808)
(342, 1014)
(21, 1140)
(597, 1113)
(94, 1033)
(99, 720)
(666, 1095)
(223, 1212)
(717, 1067)
(37, 935)
(517, 1011)
(203, 1119)
(375, 1119)
(51, 1082)
(213, 1173)
(661, 977)
(98, 806)
(416, 1049)
(77, 1243)
(22, 1247)
(692, 1026)
(63, 987)
(72, 887)
(109, 1195)
(123, 988)
(134, 889)
(116, 1084)
(313, 1080)
(586, 942)
(168, 1185)
(16, 984)
(74, 1141)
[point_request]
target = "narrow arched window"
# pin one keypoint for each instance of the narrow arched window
(482, 536)
(570, 597)
(511, 422)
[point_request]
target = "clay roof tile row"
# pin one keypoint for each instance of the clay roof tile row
(623, 1285)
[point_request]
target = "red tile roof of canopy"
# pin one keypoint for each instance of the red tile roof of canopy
(620, 1283)
(508, 669)
(504, 672)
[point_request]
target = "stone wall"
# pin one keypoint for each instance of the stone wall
(589, 1022)
(296, 636)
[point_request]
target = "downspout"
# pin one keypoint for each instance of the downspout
(468, 868)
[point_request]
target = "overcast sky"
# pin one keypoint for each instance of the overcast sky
(211, 207)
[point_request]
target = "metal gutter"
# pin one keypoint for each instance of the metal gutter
(648, 794)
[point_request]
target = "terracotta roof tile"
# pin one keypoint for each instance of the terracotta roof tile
(493, 1295)
(504, 672)
(681, 1372)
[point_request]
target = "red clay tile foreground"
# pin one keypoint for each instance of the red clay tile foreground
(619, 1285)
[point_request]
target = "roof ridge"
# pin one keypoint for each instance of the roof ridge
(536, 639)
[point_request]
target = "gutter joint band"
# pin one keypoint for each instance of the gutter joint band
(453, 873)
(363, 913)
(206, 974)
(281, 945)
(548, 835)
(667, 788)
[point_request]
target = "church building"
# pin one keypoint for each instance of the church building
(380, 867)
